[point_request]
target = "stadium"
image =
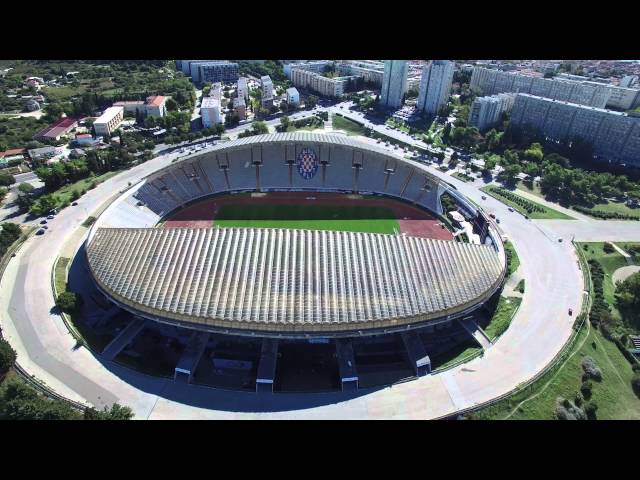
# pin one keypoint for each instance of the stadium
(292, 262)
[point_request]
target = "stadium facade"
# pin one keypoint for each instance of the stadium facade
(282, 285)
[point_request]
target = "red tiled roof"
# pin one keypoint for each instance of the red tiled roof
(156, 100)
(12, 152)
(57, 128)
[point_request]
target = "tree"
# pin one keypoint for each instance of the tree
(25, 187)
(44, 205)
(116, 412)
(311, 101)
(489, 165)
(3, 193)
(68, 301)
(171, 105)
(7, 356)
(509, 175)
(534, 153)
(6, 179)
(284, 123)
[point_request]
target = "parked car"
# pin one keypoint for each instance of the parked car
(510, 209)
(50, 217)
(74, 204)
(40, 232)
(484, 197)
(570, 312)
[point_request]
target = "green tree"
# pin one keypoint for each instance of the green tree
(25, 187)
(509, 175)
(116, 412)
(284, 123)
(44, 205)
(7, 356)
(6, 179)
(68, 301)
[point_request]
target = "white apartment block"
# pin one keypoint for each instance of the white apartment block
(435, 86)
(615, 136)
(109, 121)
(216, 91)
(370, 71)
(491, 82)
(623, 98)
(394, 83)
(267, 91)
(316, 66)
(486, 112)
(293, 97)
(327, 87)
(243, 89)
(210, 112)
(629, 81)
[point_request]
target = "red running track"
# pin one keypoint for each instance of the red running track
(412, 220)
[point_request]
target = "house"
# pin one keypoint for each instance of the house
(57, 130)
(44, 153)
(87, 140)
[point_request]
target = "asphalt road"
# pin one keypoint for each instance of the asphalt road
(538, 331)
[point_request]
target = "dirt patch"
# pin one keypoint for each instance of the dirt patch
(413, 221)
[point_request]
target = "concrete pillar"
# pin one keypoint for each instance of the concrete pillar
(417, 354)
(124, 338)
(346, 365)
(190, 358)
(267, 366)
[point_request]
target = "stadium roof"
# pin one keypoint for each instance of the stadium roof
(291, 281)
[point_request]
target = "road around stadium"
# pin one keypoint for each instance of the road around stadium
(538, 331)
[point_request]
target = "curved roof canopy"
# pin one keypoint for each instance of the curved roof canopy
(290, 281)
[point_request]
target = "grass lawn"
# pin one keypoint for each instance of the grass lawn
(463, 177)
(347, 125)
(502, 317)
(613, 395)
(546, 213)
(609, 207)
(610, 263)
(615, 207)
(64, 194)
(310, 217)
(515, 261)
(460, 354)
(62, 93)
(60, 274)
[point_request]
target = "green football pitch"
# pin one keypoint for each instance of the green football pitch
(309, 217)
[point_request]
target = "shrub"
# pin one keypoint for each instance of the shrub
(608, 248)
(590, 409)
(579, 399)
(586, 389)
(566, 410)
(68, 301)
(591, 369)
(635, 383)
(7, 356)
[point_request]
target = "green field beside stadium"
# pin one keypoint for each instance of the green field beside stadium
(310, 217)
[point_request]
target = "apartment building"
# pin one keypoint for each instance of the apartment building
(435, 86)
(615, 136)
(486, 112)
(109, 121)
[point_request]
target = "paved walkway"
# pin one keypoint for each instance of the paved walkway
(622, 273)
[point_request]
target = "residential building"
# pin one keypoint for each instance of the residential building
(615, 136)
(435, 86)
(486, 112)
(315, 66)
(293, 97)
(267, 91)
(61, 128)
(109, 121)
(369, 71)
(214, 71)
(491, 82)
(210, 112)
(44, 153)
(216, 91)
(623, 98)
(240, 107)
(154, 106)
(394, 83)
(243, 89)
(629, 81)
(327, 87)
